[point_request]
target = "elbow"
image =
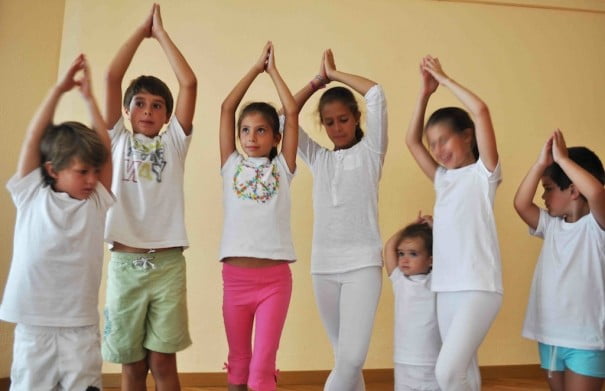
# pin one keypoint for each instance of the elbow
(482, 110)
(190, 83)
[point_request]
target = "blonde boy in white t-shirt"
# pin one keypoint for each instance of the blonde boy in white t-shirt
(408, 260)
(62, 192)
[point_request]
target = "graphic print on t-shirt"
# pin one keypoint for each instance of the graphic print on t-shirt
(256, 183)
(144, 161)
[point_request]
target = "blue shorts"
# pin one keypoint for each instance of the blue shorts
(583, 362)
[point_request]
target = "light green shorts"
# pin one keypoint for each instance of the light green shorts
(146, 306)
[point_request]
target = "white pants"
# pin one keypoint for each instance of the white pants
(464, 319)
(347, 304)
(415, 378)
(56, 358)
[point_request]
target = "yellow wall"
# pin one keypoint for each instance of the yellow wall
(30, 43)
(537, 69)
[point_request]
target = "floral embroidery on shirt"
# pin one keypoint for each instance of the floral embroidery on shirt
(255, 182)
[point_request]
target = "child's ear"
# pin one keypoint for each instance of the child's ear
(50, 170)
(276, 138)
(575, 194)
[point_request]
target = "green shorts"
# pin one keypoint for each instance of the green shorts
(146, 306)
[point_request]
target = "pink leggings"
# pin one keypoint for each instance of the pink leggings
(249, 293)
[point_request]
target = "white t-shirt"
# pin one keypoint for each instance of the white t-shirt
(466, 254)
(417, 338)
(57, 255)
(256, 201)
(148, 178)
(567, 300)
(345, 194)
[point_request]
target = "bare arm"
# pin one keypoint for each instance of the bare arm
(29, 157)
(358, 83)
(413, 138)
(524, 198)
(229, 106)
(118, 67)
(185, 103)
(98, 124)
(290, 109)
(484, 130)
(582, 180)
(390, 253)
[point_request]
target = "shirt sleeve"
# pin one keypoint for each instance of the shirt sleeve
(307, 147)
(178, 138)
(231, 160)
(493, 176)
(376, 120)
(23, 188)
(544, 221)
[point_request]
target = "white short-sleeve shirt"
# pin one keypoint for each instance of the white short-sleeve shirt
(57, 259)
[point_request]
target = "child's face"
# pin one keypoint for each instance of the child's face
(340, 124)
(147, 113)
(451, 149)
(78, 179)
(557, 201)
(256, 135)
(413, 257)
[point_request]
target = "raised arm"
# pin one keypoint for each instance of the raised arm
(185, 103)
(229, 106)
(390, 253)
(29, 157)
(484, 130)
(118, 67)
(358, 83)
(582, 180)
(290, 110)
(524, 198)
(98, 124)
(319, 81)
(413, 138)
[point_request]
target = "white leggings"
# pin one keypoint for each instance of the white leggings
(347, 304)
(464, 319)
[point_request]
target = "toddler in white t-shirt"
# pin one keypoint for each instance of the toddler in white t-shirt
(408, 260)
(62, 192)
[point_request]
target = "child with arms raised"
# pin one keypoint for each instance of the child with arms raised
(408, 260)
(62, 193)
(256, 246)
(566, 309)
(462, 161)
(346, 259)
(146, 310)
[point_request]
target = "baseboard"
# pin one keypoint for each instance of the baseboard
(218, 379)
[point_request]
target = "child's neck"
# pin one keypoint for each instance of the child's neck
(577, 210)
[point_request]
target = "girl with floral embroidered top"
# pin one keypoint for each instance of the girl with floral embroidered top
(256, 246)
(346, 257)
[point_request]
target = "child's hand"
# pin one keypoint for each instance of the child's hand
(85, 82)
(322, 76)
(433, 66)
(559, 149)
(429, 83)
(157, 25)
(148, 23)
(261, 63)
(545, 159)
(270, 67)
(329, 65)
(424, 219)
(69, 81)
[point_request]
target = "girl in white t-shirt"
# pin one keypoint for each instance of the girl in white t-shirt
(462, 161)
(256, 246)
(346, 257)
(408, 260)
